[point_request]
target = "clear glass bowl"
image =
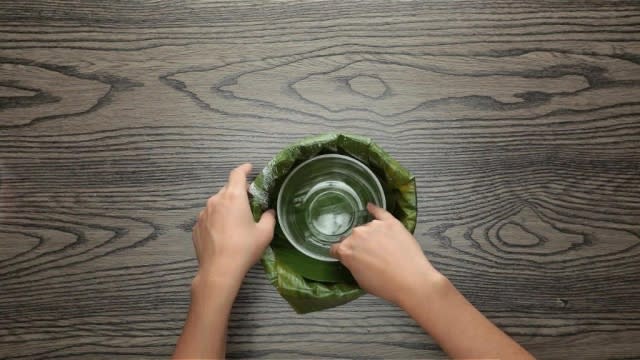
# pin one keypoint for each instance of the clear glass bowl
(322, 199)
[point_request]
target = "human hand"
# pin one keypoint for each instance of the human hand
(226, 238)
(384, 258)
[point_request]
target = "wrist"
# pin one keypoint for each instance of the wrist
(223, 271)
(212, 298)
(210, 281)
(431, 287)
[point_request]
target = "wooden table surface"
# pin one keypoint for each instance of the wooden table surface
(520, 121)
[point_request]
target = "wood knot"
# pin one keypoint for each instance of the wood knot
(369, 86)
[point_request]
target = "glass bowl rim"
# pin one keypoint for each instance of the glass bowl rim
(357, 163)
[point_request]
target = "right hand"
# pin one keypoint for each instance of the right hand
(384, 258)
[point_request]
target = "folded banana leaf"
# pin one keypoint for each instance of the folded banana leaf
(308, 284)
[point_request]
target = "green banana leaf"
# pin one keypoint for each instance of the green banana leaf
(308, 284)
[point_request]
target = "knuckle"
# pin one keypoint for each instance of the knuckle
(334, 250)
(376, 223)
(358, 231)
(233, 194)
(345, 252)
(212, 201)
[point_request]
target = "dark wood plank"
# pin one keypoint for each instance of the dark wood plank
(519, 119)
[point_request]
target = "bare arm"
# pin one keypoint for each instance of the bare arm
(227, 243)
(205, 330)
(387, 261)
(458, 327)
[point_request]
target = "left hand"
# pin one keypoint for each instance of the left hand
(226, 238)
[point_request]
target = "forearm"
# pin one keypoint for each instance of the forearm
(460, 329)
(205, 331)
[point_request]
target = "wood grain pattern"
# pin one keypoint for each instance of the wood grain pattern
(520, 121)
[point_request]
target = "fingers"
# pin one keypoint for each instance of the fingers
(378, 212)
(266, 225)
(343, 251)
(238, 178)
(334, 250)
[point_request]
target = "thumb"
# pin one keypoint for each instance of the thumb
(265, 226)
(378, 212)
